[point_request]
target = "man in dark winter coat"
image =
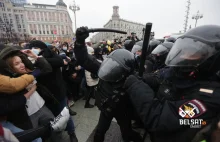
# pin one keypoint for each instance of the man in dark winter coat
(54, 82)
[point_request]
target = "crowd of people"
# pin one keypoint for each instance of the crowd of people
(40, 82)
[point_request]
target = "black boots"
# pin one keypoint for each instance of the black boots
(73, 137)
(72, 113)
(88, 105)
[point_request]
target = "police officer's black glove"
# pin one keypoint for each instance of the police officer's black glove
(132, 79)
(81, 34)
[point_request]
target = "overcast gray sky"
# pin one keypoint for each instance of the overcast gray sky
(167, 16)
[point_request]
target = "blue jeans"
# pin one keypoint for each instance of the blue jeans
(15, 129)
(70, 125)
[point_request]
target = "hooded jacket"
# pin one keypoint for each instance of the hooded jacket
(13, 106)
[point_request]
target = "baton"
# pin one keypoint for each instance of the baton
(145, 48)
(106, 30)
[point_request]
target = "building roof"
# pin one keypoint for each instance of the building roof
(124, 21)
(107, 23)
(131, 22)
(61, 3)
(43, 4)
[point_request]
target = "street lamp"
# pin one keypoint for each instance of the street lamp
(197, 17)
(74, 8)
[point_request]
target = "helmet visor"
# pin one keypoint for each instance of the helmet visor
(159, 50)
(189, 52)
(136, 48)
(111, 71)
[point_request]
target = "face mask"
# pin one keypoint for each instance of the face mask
(36, 51)
(136, 56)
(64, 48)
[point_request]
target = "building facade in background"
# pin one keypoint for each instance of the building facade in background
(13, 23)
(19, 2)
(49, 22)
(117, 23)
(40, 21)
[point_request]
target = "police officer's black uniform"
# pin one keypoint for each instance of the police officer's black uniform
(110, 97)
(190, 97)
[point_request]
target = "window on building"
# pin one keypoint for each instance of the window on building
(40, 31)
(44, 32)
(23, 26)
(51, 32)
(48, 32)
(63, 32)
(1, 4)
(19, 26)
(24, 30)
(35, 31)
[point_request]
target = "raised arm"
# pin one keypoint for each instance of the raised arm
(12, 85)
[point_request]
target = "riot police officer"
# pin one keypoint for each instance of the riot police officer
(128, 44)
(189, 100)
(110, 95)
(153, 44)
(158, 57)
(171, 39)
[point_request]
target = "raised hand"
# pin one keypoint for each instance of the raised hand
(81, 34)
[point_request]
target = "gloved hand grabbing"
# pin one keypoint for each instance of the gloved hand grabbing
(81, 34)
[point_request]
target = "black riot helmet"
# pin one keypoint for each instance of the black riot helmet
(161, 51)
(198, 49)
(137, 47)
(128, 44)
(171, 39)
(153, 44)
(117, 66)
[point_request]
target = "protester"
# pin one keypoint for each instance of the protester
(55, 83)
